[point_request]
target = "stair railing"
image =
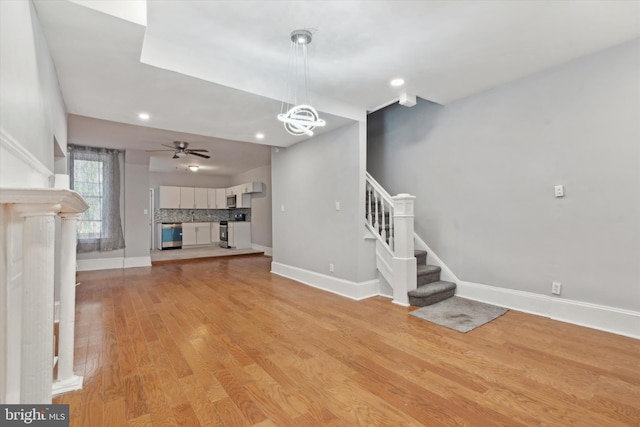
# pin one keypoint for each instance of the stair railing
(390, 220)
(379, 218)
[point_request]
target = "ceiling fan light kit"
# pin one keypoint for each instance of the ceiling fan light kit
(193, 168)
(296, 113)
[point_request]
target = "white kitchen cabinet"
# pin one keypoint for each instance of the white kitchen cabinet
(251, 187)
(243, 201)
(212, 203)
(200, 198)
(187, 198)
(240, 235)
(168, 197)
(215, 232)
(196, 233)
(221, 198)
(189, 234)
(216, 198)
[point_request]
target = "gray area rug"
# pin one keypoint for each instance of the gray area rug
(461, 314)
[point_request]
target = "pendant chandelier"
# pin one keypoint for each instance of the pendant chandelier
(297, 114)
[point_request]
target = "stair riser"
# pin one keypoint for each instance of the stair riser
(428, 278)
(421, 259)
(432, 299)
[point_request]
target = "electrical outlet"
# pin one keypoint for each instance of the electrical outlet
(559, 190)
(556, 288)
(331, 268)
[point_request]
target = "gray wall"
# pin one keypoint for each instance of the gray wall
(308, 178)
(260, 204)
(483, 170)
(136, 200)
(190, 179)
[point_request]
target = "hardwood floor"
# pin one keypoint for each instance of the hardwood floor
(225, 342)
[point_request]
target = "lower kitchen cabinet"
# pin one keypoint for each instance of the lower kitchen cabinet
(240, 235)
(215, 232)
(196, 233)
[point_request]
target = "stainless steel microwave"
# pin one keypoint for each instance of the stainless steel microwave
(231, 201)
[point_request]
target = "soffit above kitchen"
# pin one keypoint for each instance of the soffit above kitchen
(218, 68)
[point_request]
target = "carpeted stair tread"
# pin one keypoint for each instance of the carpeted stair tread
(421, 256)
(431, 293)
(425, 269)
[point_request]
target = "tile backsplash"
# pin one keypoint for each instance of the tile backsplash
(199, 215)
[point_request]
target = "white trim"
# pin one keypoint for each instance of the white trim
(604, 318)
(112, 263)
(100, 264)
(267, 250)
(8, 142)
(141, 261)
(70, 384)
(433, 259)
(345, 288)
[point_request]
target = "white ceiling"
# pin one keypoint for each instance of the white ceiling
(217, 68)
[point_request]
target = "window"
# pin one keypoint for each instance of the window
(95, 175)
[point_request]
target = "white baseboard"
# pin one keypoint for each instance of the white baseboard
(70, 384)
(141, 261)
(100, 264)
(345, 288)
(267, 250)
(113, 263)
(604, 318)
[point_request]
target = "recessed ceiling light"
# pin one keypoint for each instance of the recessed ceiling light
(144, 116)
(259, 135)
(194, 168)
(397, 82)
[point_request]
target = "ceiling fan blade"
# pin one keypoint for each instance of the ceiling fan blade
(204, 156)
(170, 146)
(202, 150)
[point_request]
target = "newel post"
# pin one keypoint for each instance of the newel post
(404, 261)
(67, 380)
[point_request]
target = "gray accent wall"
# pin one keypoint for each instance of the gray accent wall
(308, 178)
(261, 227)
(137, 231)
(483, 170)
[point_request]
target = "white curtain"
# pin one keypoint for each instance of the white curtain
(94, 173)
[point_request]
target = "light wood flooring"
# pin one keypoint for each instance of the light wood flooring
(225, 342)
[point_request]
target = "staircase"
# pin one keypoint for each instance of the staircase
(430, 288)
(390, 221)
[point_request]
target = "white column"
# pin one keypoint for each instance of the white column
(66, 380)
(404, 261)
(37, 302)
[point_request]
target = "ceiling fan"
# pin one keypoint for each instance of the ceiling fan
(180, 148)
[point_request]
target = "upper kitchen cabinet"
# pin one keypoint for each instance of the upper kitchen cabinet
(216, 198)
(248, 188)
(187, 198)
(251, 187)
(169, 198)
(201, 198)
